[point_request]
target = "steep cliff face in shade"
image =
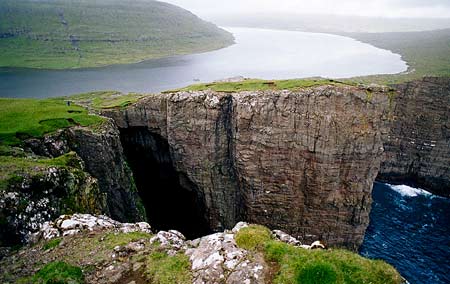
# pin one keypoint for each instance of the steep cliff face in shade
(102, 154)
(301, 161)
(417, 149)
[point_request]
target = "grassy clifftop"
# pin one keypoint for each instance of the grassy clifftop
(261, 85)
(32, 118)
(59, 34)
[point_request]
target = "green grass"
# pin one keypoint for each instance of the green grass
(12, 168)
(427, 53)
(52, 244)
(165, 269)
(112, 240)
(301, 266)
(62, 34)
(106, 99)
(261, 85)
(57, 273)
(26, 118)
(253, 237)
(97, 248)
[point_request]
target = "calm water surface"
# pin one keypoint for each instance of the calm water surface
(258, 53)
(410, 229)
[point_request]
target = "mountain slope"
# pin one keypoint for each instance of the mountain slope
(61, 34)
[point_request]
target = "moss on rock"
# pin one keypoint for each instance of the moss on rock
(302, 266)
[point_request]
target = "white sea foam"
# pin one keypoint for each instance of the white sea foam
(409, 191)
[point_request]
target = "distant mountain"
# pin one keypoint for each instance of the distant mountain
(59, 34)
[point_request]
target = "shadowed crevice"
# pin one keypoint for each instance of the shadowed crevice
(170, 198)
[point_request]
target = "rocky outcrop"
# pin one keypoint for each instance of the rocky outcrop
(69, 225)
(42, 194)
(300, 161)
(114, 252)
(102, 153)
(217, 259)
(417, 149)
(94, 178)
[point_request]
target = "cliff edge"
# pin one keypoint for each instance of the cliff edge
(302, 160)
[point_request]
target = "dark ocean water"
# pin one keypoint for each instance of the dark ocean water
(410, 229)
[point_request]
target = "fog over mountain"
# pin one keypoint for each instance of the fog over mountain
(374, 8)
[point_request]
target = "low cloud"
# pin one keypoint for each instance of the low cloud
(374, 8)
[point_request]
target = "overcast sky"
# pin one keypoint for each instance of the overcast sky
(377, 8)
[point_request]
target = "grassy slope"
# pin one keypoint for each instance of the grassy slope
(105, 99)
(427, 53)
(26, 118)
(61, 34)
(297, 265)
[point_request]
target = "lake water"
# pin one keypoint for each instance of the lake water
(258, 53)
(410, 229)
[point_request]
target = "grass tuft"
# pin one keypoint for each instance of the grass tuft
(165, 269)
(52, 244)
(57, 272)
(253, 237)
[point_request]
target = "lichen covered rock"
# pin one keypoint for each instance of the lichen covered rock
(68, 225)
(217, 259)
(107, 255)
(39, 192)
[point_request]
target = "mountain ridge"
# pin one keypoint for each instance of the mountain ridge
(60, 34)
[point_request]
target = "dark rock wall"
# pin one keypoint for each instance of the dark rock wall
(301, 161)
(102, 152)
(170, 198)
(417, 149)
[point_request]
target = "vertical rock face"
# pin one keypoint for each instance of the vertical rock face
(418, 145)
(103, 156)
(301, 161)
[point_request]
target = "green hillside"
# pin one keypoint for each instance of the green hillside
(59, 34)
(427, 53)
